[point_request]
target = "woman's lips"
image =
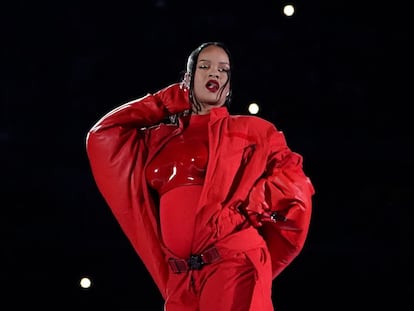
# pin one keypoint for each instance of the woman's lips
(212, 86)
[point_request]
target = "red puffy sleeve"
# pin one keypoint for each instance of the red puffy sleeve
(280, 203)
(116, 149)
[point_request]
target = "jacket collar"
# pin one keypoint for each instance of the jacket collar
(215, 115)
(219, 112)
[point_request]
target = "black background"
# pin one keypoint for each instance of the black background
(334, 78)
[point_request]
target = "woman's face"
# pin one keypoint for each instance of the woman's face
(211, 75)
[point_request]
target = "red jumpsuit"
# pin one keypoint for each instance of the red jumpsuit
(185, 190)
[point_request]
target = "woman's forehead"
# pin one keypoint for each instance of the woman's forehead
(215, 53)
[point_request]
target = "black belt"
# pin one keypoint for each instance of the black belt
(195, 261)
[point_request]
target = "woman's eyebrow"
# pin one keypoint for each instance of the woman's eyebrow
(207, 60)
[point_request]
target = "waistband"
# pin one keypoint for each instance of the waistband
(235, 243)
(195, 261)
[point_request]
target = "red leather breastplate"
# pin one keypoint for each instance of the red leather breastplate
(183, 160)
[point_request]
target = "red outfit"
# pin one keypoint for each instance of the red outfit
(251, 171)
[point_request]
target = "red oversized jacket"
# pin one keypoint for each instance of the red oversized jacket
(249, 165)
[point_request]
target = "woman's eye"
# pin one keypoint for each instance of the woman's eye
(224, 69)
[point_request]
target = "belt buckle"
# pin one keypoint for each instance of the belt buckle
(195, 262)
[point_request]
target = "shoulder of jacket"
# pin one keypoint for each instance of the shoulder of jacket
(251, 120)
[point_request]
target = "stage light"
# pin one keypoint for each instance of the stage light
(85, 282)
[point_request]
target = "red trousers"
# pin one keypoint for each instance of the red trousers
(240, 281)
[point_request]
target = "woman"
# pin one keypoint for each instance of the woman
(215, 205)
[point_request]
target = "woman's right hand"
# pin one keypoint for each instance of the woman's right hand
(174, 97)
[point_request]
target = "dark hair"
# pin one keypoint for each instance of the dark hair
(192, 64)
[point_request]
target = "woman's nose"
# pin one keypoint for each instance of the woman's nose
(214, 75)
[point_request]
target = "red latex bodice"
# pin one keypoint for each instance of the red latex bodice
(183, 160)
